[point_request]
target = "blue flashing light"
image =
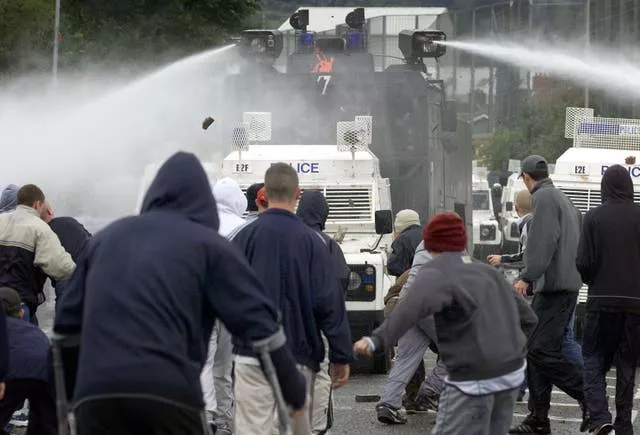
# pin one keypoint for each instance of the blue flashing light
(355, 41)
(307, 40)
(367, 279)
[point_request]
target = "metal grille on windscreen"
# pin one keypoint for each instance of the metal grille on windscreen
(346, 203)
(607, 133)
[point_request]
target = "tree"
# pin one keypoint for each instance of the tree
(26, 31)
(539, 130)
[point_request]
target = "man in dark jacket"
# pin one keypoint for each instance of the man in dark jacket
(408, 234)
(550, 255)
(295, 266)
(29, 376)
(313, 209)
(608, 259)
(482, 327)
(145, 297)
(72, 234)
(252, 197)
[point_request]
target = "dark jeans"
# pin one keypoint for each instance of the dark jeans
(547, 364)
(134, 416)
(42, 406)
(605, 336)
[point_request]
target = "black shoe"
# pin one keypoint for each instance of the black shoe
(605, 429)
(388, 414)
(423, 404)
(532, 426)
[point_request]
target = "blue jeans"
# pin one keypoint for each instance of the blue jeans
(571, 348)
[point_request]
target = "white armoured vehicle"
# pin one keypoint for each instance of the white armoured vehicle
(487, 237)
(597, 143)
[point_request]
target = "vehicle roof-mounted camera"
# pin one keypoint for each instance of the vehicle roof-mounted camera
(300, 20)
(356, 38)
(416, 45)
(261, 44)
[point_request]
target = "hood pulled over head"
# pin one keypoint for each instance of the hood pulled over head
(181, 185)
(313, 209)
(231, 204)
(9, 198)
(616, 184)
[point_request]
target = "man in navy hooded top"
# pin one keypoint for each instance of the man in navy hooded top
(144, 298)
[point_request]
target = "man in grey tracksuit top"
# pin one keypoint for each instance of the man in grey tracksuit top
(551, 251)
(481, 326)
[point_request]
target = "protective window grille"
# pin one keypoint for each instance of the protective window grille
(572, 114)
(240, 137)
(607, 133)
(258, 126)
(586, 199)
(354, 135)
(346, 203)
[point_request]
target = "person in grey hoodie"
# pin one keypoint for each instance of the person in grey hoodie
(554, 232)
(482, 328)
(216, 377)
(9, 198)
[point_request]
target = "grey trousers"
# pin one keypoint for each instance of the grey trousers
(216, 380)
(461, 414)
(411, 348)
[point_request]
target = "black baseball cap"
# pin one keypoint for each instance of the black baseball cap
(533, 164)
(10, 298)
(252, 194)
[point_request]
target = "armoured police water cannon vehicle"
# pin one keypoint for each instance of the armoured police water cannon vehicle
(597, 143)
(373, 141)
(487, 237)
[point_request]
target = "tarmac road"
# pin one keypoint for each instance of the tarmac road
(360, 419)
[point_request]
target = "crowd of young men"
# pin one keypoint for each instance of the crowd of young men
(162, 301)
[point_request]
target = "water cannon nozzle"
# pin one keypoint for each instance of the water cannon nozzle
(419, 44)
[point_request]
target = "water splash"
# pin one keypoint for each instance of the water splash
(611, 72)
(89, 155)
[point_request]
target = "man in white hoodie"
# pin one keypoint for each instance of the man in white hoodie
(216, 374)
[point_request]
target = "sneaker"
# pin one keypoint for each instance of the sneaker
(532, 426)
(20, 420)
(388, 414)
(224, 429)
(605, 429)
(423, 404)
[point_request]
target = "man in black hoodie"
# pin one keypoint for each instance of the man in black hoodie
(313, 209)
(608, 259)
(144, 298)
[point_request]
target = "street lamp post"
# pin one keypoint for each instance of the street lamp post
(587, 26)
(56, 43)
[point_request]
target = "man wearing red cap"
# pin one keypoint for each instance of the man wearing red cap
(481, 327)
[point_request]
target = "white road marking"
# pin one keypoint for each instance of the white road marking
(562, 419)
